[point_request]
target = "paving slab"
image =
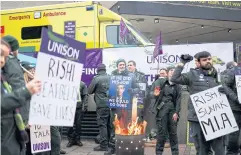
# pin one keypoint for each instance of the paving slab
(87, 149)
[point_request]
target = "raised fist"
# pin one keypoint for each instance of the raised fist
(186, 58)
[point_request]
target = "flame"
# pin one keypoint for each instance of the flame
(133, 128)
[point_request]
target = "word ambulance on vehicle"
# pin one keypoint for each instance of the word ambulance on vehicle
(87, 22)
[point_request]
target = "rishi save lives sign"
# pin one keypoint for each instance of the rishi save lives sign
(59, 65)
(214, 113)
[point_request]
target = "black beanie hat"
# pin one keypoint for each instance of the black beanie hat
(120, 60)
(101, 67)
(203, 54)
(12, 41)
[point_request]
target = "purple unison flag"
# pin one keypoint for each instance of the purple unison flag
(123, 30)
(158, 46)
(93, 57)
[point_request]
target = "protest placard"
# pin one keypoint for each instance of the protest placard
(118, 91)
(214, 113)
(40, 138)
(238, 82)
(59, 67)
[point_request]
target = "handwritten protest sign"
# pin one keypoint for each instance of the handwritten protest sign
(40, 138)
(238, 82)
(214, 113)
(59, 66)
(118, 91)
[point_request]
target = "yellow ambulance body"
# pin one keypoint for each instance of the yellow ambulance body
(88, 22)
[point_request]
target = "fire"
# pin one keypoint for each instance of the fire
(133, 128)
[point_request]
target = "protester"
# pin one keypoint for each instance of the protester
(99, 87)
(230, 89)
(168, 99)
(210, 152)
(29, 72)
(13, 135)
(140, 77)
(192, 80)
(162, 74)
(14, 73)
(74, 132)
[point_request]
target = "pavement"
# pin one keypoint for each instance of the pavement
(87, 149)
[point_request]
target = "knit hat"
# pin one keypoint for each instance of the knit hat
(203, 54)
(27, 65)
(101, 67)
(170, 68)
(13, 42)
(120, 60)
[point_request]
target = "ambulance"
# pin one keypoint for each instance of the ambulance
(87, 22)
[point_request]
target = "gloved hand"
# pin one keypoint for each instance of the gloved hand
(221, 90)
(185, 58)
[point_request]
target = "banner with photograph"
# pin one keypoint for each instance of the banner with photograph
(146, 63)
(119, 96)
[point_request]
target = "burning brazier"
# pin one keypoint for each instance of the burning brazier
(129, 145)
(129, 132)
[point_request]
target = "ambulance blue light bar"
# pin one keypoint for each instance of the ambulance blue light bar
(89, 8)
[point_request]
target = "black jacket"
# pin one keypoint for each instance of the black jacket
(229, 84)
(197, 80)
(100, 87)
(170, 95)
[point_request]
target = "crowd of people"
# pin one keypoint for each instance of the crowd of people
(18, 84)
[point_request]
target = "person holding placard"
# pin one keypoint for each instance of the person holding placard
(13, 133)
(230, 89)
(29, 71)
(198, 80)
(210, 152)
(168, 99)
